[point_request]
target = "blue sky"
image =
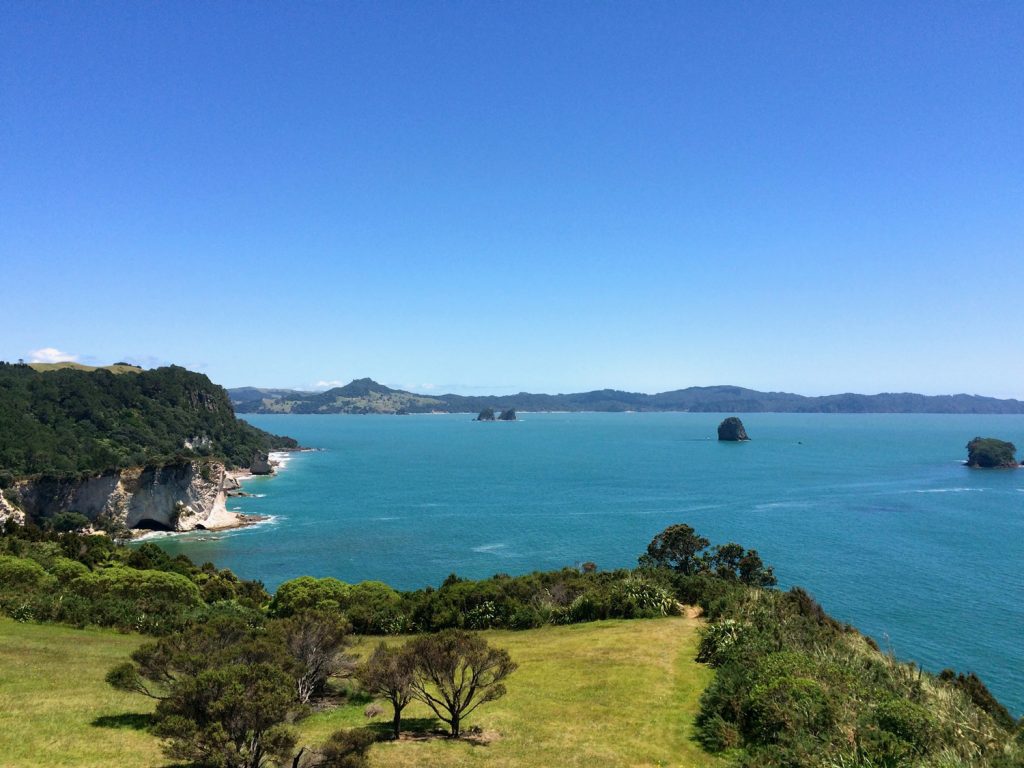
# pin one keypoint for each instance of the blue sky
(811, 197)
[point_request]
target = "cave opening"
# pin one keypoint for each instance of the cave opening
(148, 524)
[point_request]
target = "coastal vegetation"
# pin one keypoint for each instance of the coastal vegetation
(243, 679)
(990, 453)
(368, 396)
(69, 423)
(601, 694)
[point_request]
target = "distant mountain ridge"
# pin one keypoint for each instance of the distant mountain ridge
(368, 396)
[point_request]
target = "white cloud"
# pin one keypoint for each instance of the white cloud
(328, 384)
(51, 355)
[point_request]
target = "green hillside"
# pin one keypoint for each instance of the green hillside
(612, 693)
(368, 396)
(65, 421)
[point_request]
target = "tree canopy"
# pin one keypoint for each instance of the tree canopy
(69, 422)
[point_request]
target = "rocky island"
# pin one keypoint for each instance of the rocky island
(732, 430)
(990, 453)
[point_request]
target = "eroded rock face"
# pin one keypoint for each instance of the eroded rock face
(487, 414)
(509, 415)
(732, 430)
(261, 465)
(8, 511)
(175, 497)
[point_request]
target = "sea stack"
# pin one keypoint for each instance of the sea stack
(509, 415)
(732, 430)
(990, 453)
(487, 414)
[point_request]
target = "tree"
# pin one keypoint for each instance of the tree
(754, 572)
(389, 673)
(456, 672)
(730, 561)
(225, 689)
(315, 641)
(677, 547)
(230, 717)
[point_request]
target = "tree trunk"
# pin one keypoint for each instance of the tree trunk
(396, 723)
(455, 726)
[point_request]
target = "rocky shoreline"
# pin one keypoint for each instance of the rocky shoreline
(186, 496)
(220, 517)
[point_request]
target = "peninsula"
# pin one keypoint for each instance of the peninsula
(364, 396)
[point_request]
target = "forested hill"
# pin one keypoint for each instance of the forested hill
(68, 422)
(367, 396)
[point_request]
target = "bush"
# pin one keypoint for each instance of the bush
(19, 576)
(910, 723)
(785, 707)
(65, 522)
(309, 593)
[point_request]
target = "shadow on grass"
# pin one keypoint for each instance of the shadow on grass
(135, 721)
(426, 728)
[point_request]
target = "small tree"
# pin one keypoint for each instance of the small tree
(315, 640)
(456, 672)
(677, 547)
(230, 716)
(390, 673)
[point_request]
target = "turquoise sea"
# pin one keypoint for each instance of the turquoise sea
(874, 514)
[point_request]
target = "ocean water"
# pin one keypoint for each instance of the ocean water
(874, 514)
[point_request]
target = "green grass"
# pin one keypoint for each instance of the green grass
(55, 708)
(613, 693)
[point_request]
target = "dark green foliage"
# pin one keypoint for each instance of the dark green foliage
(487, 414)
(67, 423)
(794, 687)
(677, 547)
(229, 717)
(455, 672)
(988, 452)
(66, 522)
(93, 580)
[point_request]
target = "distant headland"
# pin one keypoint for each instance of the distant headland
(368, 396)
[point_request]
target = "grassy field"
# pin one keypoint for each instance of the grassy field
(80, 367)
(614, 693)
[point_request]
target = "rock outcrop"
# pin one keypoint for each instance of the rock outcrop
(509, 415)
(990, 453)
(175, 497)
(487, 414)
(260, 465)
(732, 430)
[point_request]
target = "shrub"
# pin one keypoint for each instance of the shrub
(785, 707)
(19, 576)
(309, 593)
(910, 723)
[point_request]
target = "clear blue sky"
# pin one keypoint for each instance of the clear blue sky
(551, 196)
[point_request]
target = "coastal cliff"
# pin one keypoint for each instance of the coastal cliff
(184, 496)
